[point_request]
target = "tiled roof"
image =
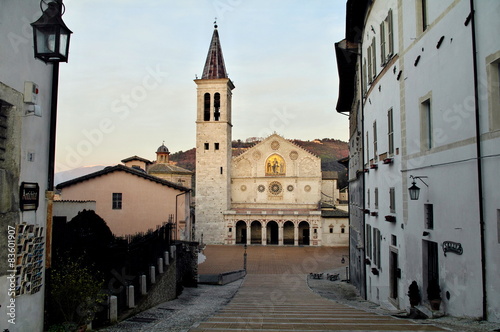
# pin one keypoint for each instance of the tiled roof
(330, 175)
(136, 158)
(168, 168)
(122, 168)
(214, 66)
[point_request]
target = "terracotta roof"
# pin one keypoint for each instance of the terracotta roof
(122, 168)
(136, 158)
(168, 168)
(214, 66)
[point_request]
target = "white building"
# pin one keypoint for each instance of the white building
(426, 75)
(26, 168)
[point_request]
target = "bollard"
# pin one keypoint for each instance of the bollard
(130, 297)
(113, 309)
(166, 258)
(142, 283)
(160, 265)
(172, 252)
(152, 275)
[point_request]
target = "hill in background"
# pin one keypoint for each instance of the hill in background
(328, 149)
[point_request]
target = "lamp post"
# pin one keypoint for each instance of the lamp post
(245, 258)
(51, 44)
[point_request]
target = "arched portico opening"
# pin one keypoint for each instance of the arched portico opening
(272, 232)
(256, 232)
(241, 232)
(304, 233)
(288, 233)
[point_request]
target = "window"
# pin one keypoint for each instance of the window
(216, 106)
(331, 229)
(117, 201)
(374, 59)
(376, 198)
(368, 241)
(376, 247)
(4, 107)
(216, 146)
(375, 157)
(390, 33)
(368, 198)
(221, 170)
(206, 107)
(493, 76)
(394, 240)
(370, 64)
(392, 199)
(207, 146)
(365, 78)
(382, 44)
(342, 229)
(425, 125)
(422, 19)
(429, 216)
(367, 146)
(390, 132)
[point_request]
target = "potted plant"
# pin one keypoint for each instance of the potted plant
(434, 294)
(414, 294)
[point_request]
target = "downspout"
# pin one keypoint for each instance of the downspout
(479, 160)
(363, 162)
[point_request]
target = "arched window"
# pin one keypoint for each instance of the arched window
(216, 106)
(206, 107)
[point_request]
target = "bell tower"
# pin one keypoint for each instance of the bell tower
(213, 146)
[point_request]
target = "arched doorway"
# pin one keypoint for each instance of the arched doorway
(272, 232)
(304, 233)
(256, 232)
(288, 233)
(241, 232)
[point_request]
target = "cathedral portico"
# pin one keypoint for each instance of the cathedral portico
(273, 229)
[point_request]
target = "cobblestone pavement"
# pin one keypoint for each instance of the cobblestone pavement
(277, 295)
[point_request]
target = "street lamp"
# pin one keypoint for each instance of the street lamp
(50, 34)
(414, 190)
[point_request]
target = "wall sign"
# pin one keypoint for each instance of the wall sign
(454, 247)
(29, 196)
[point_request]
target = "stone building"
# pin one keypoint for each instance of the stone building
(420, 82)
(270, 194)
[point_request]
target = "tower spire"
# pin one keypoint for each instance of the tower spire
(214, 65)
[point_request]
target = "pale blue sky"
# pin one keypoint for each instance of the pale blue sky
(129, 85)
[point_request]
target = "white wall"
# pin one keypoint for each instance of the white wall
(18, 66)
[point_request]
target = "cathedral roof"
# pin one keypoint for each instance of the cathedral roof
(214, 65)
(161, 168)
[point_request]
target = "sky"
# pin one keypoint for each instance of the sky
(128, 85)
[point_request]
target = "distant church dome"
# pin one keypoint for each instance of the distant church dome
(163, 149)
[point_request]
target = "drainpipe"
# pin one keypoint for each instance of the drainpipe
(363, 164)
(479, 160)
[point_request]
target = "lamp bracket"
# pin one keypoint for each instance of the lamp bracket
(420, 178)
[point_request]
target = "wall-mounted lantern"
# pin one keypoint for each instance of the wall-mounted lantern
(414, 190)
(51, 36)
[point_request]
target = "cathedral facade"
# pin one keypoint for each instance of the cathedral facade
(272, 194)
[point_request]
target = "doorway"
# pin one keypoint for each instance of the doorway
(272, 232)
(256, 232)
(241, 232)
(304, 233)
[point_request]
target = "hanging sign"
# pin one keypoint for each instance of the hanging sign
(29, 196)
(454, 247)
